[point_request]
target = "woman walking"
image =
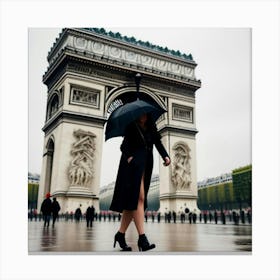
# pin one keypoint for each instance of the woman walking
(134, 176)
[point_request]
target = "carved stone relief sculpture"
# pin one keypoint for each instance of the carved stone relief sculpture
(81, 167)
(181, 171)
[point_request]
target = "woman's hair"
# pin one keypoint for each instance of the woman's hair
(150, 122)
(151, 125)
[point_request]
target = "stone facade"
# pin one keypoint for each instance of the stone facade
(87, 72)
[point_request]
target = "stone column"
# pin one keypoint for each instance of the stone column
(178, 183)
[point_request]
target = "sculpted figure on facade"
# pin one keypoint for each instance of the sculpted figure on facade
(81, 167)
(181, 172)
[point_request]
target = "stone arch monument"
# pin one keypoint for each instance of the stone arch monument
(90, 69)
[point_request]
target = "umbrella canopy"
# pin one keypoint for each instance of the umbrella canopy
(129, 112)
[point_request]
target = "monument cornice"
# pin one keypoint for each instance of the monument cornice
(88, 33)
(85, 194)
(176, 129)
(72, 117)
(92, 47)
(176, 196)
(102, 63)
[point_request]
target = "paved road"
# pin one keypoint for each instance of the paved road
(69, 237)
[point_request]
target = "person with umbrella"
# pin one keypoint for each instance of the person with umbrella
(137, 125)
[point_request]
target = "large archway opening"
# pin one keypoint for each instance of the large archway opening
(49, 165)
(129, 94)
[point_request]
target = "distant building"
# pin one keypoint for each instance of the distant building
(106, 194)
(242, 183)
(153, 194)
(227, 191)
(33, 186)
(227, 177)
(213, 193)
(33, 178)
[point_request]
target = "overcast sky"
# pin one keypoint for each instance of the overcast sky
(223, 103)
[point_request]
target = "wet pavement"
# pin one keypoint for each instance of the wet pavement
(74, 237)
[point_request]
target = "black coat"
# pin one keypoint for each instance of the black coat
(55, 207)
(138, 144)
(90, 213)
(46, 207)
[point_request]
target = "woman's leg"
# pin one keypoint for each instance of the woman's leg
(120, 235)
(138, 215)
(125, 221)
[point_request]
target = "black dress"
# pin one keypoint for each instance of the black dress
(137, 143)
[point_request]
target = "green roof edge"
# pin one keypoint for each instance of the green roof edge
(136, 42)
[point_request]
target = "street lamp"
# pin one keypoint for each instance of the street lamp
(138, 78)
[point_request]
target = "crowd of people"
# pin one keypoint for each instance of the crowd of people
(50, 211)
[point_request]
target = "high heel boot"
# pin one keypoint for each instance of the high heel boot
(119, 237)
(143, 243)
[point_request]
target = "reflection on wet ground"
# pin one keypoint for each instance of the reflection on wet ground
(69, 236)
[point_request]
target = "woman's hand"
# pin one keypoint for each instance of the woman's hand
(129, 159)
(166, 161)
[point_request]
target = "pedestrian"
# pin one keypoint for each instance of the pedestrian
(35, 214)
(249, 216)
(205, 217)
(190, 217)
(71, 216)
(146, 217)
(90, 215)
(174, 217)
(134, 177)
(235, 217)
(200, 217)
(66, 216)
(210, 216)
(55, 210)
(216, 217)
(183, 217)
(242, 215)
(46, 209)
(169, 217)
(230, 215)
(194, 217)
(223, 218)
(78, 214)
(158, 217)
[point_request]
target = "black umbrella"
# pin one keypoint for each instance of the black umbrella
(129, 112)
